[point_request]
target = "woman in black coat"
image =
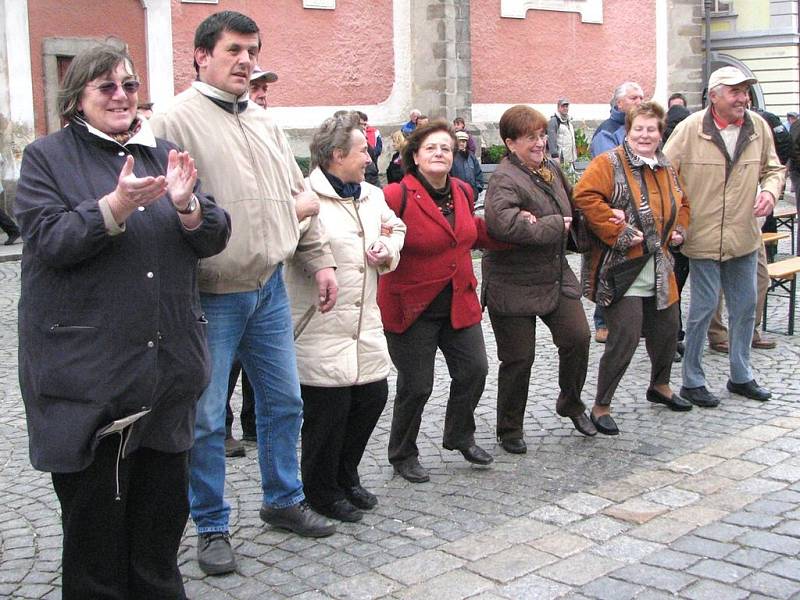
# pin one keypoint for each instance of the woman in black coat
(112, 352)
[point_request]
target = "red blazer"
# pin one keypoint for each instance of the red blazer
(432, 256)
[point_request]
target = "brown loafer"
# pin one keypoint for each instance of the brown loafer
(721, 347)
(763, 343)
(583, 424)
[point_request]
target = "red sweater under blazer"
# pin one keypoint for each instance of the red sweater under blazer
(433, 255)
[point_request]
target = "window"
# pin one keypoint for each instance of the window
(720, 7)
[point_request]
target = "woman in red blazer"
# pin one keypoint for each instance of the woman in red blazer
(430, 301)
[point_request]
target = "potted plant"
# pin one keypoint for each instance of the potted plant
(582, 147)
(491, 157)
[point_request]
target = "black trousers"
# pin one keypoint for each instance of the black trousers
(7, 224)
(629, 319)
(248, 414)
(681, 275)
(516, 348)
(413, 353)
(124, 549)
(337, 425)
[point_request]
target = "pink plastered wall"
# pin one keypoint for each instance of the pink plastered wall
(322, 57)
(550, 54)
(83, 19)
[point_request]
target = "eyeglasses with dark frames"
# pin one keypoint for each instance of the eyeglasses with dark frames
(109, 88)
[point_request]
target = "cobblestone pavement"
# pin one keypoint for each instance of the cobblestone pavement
(704, 504)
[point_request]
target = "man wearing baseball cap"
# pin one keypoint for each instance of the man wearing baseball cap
(727, 162)
(259, 84)
(561, 135)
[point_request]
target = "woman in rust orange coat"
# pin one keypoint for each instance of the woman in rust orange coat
(633, 202)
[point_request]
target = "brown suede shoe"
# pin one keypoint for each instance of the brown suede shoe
(721, 347)
(763, 343)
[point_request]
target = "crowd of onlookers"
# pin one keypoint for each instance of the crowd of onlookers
(164, 256)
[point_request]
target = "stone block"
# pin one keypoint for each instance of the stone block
(697, 515)
(672, 497)
(718, 570)
(703, 547)
(533, 587)
(692, 464)
(671, 559)
(771, 542)
(662, 530)
(599, 528)
(511, 563)
(449, 586)
(420, 567)
(627, 549)
(770, 585)
(561, 544)
(592, 567)
(366, 586)
(656, 577)
(737, 469)
(475, 546)
(713, 590)
(785, 567)
(583, 504)
(635, 510)
(730, 447)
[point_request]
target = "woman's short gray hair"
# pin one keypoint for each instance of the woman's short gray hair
(335, 133)
(87, 66)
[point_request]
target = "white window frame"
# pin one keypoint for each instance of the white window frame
(591, 11)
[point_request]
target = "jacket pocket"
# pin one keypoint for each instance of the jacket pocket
(73, 358)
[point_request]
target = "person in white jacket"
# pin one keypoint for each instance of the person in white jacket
(342, 357)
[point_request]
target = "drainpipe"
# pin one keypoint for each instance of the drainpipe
(707, 5)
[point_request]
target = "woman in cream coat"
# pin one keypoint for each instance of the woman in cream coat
(342, 357)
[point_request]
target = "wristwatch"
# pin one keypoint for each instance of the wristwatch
(190, 208)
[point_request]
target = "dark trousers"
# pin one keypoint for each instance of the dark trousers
(629, 319)
(248, 414)
(7, 224)
(516, 347)
(337, 424)
(126, 548)
(413, 353)
(681, 275)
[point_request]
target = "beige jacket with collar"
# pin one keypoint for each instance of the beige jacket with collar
(345, 346)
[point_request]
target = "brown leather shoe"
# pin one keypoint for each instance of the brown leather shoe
(721, 347)
(601, 335)
(763, 343)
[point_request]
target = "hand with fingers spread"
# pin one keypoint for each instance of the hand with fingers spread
(181, 178)
(132, 191)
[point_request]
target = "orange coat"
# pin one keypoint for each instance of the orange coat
(599, 190)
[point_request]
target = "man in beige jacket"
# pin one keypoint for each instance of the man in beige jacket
(723, 154)
(245, 163)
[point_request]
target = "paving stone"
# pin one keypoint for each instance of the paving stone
(583, 504)
(720, 532)
(511, 563)
(420, 567)
(783, 472)
(771, 507)
(652, 480)
(791, 528)
(730, 447)
(617, 491)
(718, 570)
(561, 544)
(554, 514)
(662, 530)
(533, 587)
(473, 547)
(752, 520)
(656, 577)
(763, 433)
(766, 456)
(703, 547)
(712, 590)
(635, 510)
(697, 515)
(707, 483)
(626, 549)
(752, 557)
(366, 586)
(607, 588)
(772, 542)
(450, 586)
(592, 567)
(672, 497)
(738, 469)
(671, 559)
(693, 463)
(785, 567)
(599, 528)
(522, 530)
(770, 585)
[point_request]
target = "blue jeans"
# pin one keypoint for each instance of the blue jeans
(738, 280)
(257, 327)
